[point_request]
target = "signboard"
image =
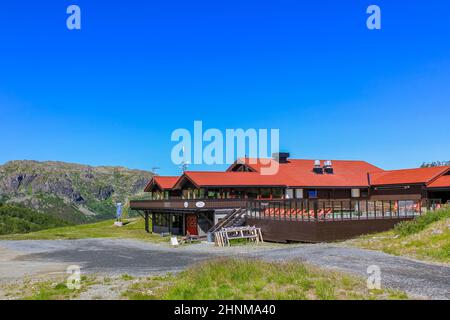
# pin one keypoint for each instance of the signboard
(200, 204)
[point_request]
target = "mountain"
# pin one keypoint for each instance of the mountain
(70, 192)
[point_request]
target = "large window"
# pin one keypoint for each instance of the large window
(177, 224)
(161, 223)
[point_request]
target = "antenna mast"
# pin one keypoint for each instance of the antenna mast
(184, 164)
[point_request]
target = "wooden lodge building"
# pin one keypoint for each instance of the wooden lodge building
(306, 200)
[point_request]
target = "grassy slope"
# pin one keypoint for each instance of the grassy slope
(427, 238)
(17, 219)
(105, 229)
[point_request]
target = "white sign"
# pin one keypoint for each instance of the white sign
(186, 204)
(200, 204)
(174, 241)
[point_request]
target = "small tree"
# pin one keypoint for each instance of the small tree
(435, 164)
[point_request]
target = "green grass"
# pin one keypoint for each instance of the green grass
(126, 277)
(425, 238)
(105, 229)
(233, 279)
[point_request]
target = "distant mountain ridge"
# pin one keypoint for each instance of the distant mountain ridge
(72, 192)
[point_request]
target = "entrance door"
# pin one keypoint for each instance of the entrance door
(191, 224)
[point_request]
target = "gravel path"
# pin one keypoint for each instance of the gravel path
(116, 257)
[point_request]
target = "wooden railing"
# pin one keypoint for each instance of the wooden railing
(301, 210)
(335, 210)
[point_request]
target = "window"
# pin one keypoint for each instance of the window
(289, 193)
(211, 194)
(277, 193)
(177, 224)
(312, 194)
(265, 193)
(356, 193)
(299, 193)
(187, 194)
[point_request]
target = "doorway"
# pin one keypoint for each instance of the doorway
(191, 224)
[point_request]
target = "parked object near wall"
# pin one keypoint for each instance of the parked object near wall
(224, 236)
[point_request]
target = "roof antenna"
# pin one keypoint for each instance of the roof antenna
(155, 170)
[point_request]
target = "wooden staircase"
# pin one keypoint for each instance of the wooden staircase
(234, 218)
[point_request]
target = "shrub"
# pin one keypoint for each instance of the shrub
(411, 227)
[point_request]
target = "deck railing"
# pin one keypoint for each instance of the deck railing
(301, 210)
(336, 210)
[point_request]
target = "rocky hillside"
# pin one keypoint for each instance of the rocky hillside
(72, 192)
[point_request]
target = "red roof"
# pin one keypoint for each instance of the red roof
(163, 183)
(214, 178)
(407, 176)
(441, 182)
(295, 173)
(299, 173)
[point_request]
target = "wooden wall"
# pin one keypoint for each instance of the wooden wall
(285, 231)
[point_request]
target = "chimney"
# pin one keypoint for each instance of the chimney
(328, 167)
(317, 167)
(281, 157)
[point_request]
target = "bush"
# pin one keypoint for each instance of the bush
(411, 227)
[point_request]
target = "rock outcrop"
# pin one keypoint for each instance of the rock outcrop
(73, 192)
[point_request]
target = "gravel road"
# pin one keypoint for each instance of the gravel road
(116, 257)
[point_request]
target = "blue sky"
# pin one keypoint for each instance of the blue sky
(112, 93)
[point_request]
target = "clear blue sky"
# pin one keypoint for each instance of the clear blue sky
(112, 93)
